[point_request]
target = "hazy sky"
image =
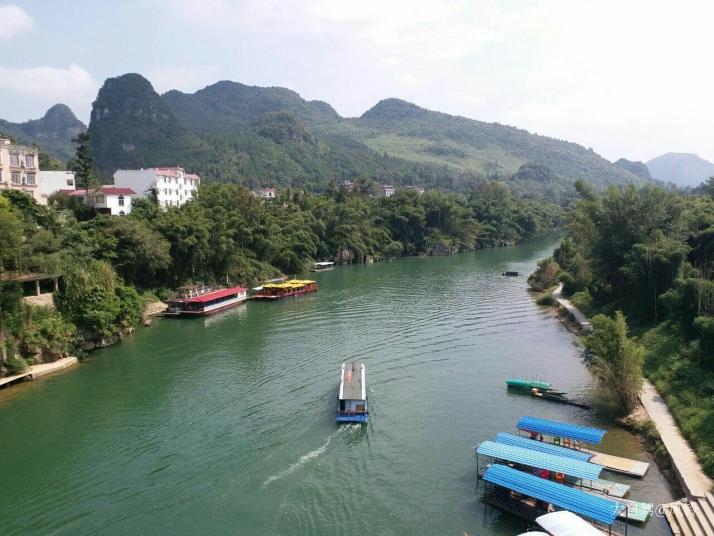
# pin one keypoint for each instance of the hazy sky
(632, 78)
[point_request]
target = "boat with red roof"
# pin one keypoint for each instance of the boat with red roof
(201, 300)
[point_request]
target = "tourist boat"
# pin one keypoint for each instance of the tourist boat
(287, 289)
(322, 266)
(200, 300)
(352, 398)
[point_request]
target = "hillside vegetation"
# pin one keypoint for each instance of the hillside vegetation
(236, 133)
(648, 254)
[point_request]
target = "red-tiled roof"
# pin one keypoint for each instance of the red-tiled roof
(106, 190)
(216, 294)
(173, 172)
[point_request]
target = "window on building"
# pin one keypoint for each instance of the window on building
(15, 178)
(121, 213)
(121, 201)
(70, 182)
(15, 160)
(29, 160)
(30, 179)
(99, 199)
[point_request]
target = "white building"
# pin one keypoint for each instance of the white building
(19, 168)
(173, 186)
(107, 199)
(265, 193)
(54, 181)
(386, 190)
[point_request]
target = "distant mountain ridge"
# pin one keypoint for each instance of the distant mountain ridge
(683, 169)
(233, 132)
(638, 168)
(53, 133)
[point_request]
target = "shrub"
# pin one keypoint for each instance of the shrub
(546, 299)
(545, 276)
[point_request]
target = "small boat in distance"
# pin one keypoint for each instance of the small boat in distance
(201, 300)
(322, 266)
(287, 289)
(510, 274)
(352, 398)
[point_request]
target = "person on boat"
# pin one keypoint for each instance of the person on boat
(540, 437)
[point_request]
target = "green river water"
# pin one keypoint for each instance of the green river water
(225, 425)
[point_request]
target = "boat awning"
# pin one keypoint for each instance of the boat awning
(210, 296)
(561, 429)
(540, 460)
(590, 506)
(540, 446)
(565, 523)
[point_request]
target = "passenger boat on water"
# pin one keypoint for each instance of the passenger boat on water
(201, 300)
(322, 266)
(287, 289)
(352, 398)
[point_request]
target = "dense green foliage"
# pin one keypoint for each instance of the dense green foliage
(616, 360)
(650, 253)
(230, 132)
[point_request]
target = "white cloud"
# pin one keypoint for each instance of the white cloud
(73, 86)
(13, 20)
(627, 78)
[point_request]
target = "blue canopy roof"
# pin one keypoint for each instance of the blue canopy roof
(540, 446)
(592, 506)
(561, 429)
(540, 460)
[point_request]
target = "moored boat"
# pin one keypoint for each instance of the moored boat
(200, 300)
(352, 397)
(322, 266)
(286, 289)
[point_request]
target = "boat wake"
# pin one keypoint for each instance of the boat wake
(305, 458)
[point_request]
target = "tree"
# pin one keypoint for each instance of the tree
(617, 361)
(82, 164)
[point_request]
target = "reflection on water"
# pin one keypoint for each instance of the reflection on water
(226, 424)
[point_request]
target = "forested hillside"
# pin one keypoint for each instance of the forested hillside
(53, 133)
(235, 133)
(648, 253)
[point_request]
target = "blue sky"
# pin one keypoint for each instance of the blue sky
(628, 79)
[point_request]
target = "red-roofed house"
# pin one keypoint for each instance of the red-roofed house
(107, 199)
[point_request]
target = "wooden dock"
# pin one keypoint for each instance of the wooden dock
(691, 517)
(618, 464)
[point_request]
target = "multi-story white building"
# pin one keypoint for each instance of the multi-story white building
(54, 181)
(173, 186)
(19, 168)
(107, 199)
(386, 190)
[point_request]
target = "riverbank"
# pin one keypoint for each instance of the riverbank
(689, 472)
(38, 371)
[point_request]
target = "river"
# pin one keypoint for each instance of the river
(226, 425)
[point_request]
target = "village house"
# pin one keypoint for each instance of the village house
(107, 199)
(19, 168)
(172, 185)
(265, 193)
(53, 181)
(417, 189)
(386, 190)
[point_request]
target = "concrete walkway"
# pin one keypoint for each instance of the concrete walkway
(38, 371)
(579, 317)
(690, 474)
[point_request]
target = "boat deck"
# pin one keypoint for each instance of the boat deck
(634, 510)
(352, 383)
(618, 464)
(607, 487)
